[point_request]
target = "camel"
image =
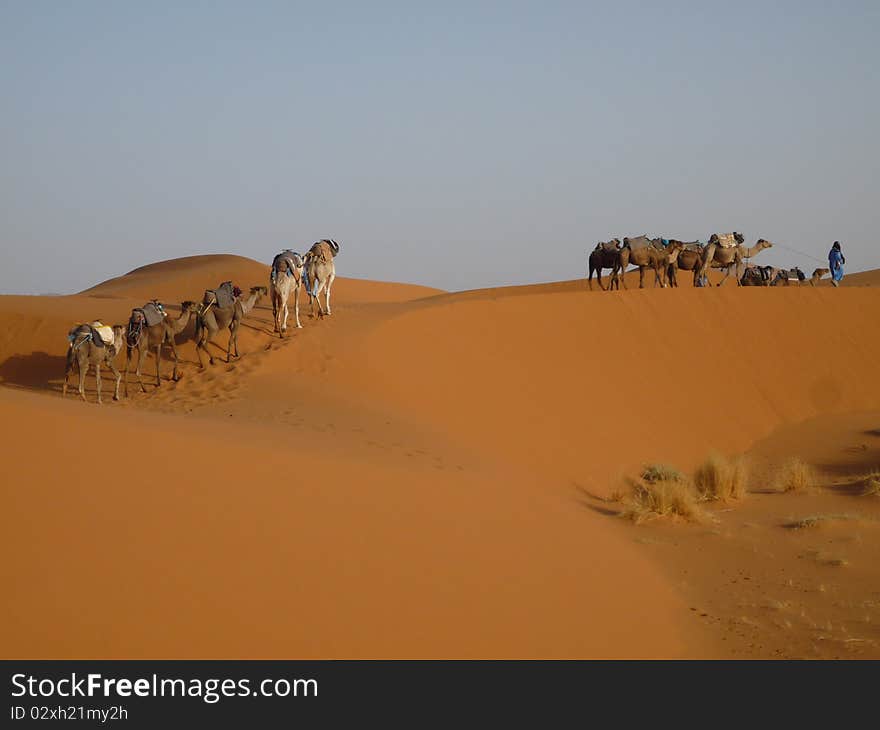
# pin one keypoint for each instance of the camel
(769, 276)
(85, 350)
(688, 258)
(142, 338)
(761, 276)
(730, 258)
(211, 319)
(286, 275)
(606, 255)
(645, 253)
(320, 272)
(784, 277)
(817, 276)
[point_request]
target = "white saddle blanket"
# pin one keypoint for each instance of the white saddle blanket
(726, 240)
(105, 331)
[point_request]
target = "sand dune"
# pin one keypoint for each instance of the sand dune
(404, 478)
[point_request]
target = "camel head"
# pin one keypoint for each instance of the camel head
(119, 337)
(188, 307)
(260, 291)
(763, 243)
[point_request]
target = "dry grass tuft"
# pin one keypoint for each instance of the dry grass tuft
(795, 476)
(661, 473)
(824, 558)
(721, 479)
(871, 485)
(665, 498)
(816, 520)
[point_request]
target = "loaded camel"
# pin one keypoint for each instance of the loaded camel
(285, 276)
(763, 276)
(646, 253)
(770, 276)
(142, 337)
(729, 257)
(689, 258)
(817, 276)
(87, 348)
(211, 318)
(319, 273)
(606, 255)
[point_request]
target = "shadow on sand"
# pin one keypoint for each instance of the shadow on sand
(37, 371)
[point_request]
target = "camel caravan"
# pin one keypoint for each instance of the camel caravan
(150, 328)
(666, 257)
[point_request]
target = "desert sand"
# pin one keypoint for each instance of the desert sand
(427, 474)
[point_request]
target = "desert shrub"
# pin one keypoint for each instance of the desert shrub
(871, 485)
(817, 520)
(662, 498)
(661, 473)
(721, 479)
(795, 476)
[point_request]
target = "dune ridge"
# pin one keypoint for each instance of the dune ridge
(405, 478)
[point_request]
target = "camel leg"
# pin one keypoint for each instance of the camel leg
(317, 295)
(641, 277)
(83, 369)
(98, 381)
(201, 345)
(590, 277)
(142, 353)
(206, 336)
(68, 366)
(118, 375)
(276, 312)
(158, 360)
(296, 306)
(286, 315)
(327, 296)
(233, 339)
(175, 375)
(620, 275)
(127, 362)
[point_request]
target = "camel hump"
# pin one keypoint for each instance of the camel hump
(287, 262)
(608, 246)
(105, 332)
(222, 297)
(726, 240)
(152, 312)
(637, 243)
(83, 332)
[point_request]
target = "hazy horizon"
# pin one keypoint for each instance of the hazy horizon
(457, 146)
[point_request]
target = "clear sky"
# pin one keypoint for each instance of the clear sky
(454, 144)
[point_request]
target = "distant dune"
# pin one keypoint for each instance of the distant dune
(405, 478)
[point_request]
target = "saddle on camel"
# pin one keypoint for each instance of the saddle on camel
(101, 335)
(287, 262)
(222, 297)
(151, 314)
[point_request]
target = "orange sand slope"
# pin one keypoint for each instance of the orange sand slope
(402, 479)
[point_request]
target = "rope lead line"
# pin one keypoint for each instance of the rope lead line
(794, 250)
